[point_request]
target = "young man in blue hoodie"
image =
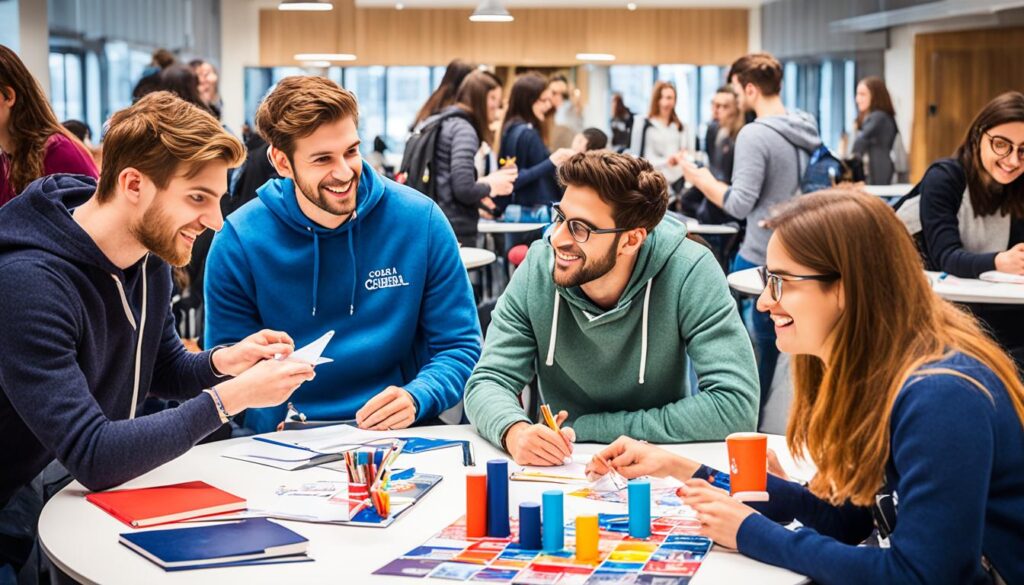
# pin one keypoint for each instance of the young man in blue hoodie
(87, 332)
(334, 246)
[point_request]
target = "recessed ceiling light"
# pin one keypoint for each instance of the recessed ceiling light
(324, 57)
(399, 6)
(631, 6)
(595, 57)
(309, 5)
(491, 11)
(316, 63)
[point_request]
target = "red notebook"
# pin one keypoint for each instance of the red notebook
(169, 503)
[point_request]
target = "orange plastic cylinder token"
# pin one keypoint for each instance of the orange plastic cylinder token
(476, 505)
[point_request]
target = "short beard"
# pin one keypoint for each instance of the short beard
(314, 195)
(155, 232)
(591, 270)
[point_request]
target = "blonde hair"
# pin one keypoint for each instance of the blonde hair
(159, 134)
(298, 106)
(841, 411)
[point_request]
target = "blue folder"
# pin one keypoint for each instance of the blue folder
(250, 541)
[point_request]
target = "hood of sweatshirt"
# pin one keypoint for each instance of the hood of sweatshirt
(656, 251)
(797, 126)
(279, 197)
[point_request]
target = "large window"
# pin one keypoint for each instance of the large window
(634, 82)
(825, 89)
(407, 89)
(368, 85)
(67, 89)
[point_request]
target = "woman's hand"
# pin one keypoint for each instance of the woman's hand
(719, 514)
(632, 459)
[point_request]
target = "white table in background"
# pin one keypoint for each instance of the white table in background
(82, 540)
(489, 226)
(710, 229)
(895, 190)
(951, 288)
(476, 257)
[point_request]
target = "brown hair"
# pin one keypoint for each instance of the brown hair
(637, 193)
(740, 120)
(880, 99)
(526, 90)
(158, 135)
(32, 122)
(298, 106)
(472, 97)
(619, 109)
(761, 69)
(444, 95)
(987, 195)
(653, 111)
(841, 411)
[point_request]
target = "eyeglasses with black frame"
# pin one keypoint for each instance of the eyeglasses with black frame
(579, 229)
(773, 282)
(1003, 146)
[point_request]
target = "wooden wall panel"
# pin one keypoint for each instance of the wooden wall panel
(956, 74)
(537, 37)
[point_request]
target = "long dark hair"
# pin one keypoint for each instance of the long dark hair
(182, 81)
(619, 109)
(524, 93)
(472, 97)
(880, 99)
(32, 122)
(987, 195)
(444, 95)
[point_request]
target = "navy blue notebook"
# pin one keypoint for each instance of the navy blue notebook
(250, 541)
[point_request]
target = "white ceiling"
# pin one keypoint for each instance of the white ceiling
(511, 4)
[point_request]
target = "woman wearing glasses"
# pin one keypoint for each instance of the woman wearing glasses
(912, 415)
(972, 210)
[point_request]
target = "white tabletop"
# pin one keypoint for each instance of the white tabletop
(894, 190)
(476, 257)
(951, 288)
(710, 229)
(489, 226)
(82, 539)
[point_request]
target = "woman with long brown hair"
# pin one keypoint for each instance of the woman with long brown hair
(33, 144)
(876, 129)
(464, 127)
(972, 210)
(660, 135)
(912, 415)
(444, 95)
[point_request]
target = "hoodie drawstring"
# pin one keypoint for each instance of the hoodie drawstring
(643, 339)
(140, 329)
(316, 268)
(355, 273)
(554, 333)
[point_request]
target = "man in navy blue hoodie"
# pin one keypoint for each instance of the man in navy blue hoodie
(87, 331)
(334, 246)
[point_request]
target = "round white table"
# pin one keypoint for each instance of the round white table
(489, 226)
(82, 540)
(710, 229)
(476, 257)
(951, 288)
(894, 190)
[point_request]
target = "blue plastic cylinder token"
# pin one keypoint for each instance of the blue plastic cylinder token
(640, 508)
(554, 520)
(497, 498)
(529, 526)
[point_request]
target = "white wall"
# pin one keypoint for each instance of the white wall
(240, 47)
(754, 30)
(34, 40)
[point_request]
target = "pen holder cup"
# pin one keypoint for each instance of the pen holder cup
(357, 492)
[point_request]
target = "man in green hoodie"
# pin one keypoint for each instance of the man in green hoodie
(606, 312)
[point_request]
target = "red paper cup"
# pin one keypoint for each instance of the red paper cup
(748, 466)
(357, 492)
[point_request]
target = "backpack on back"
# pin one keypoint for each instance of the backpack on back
(824, 169)
(418, 163)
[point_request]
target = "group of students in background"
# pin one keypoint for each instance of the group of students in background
(911, 412)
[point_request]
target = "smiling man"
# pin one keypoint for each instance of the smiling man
(606, 313)
(334, 246)
(85, 299)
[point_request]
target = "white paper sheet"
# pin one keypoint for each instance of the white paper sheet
(310, 354)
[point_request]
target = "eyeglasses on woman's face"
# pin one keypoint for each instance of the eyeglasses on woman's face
(1002, 146)
(773, 282)
(579, 229)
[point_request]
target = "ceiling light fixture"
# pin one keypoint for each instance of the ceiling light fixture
(595, 57)
(491, 11)
(308, 5)
(324, 57)
(399, 6)
(631, 6)
(318, 64)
